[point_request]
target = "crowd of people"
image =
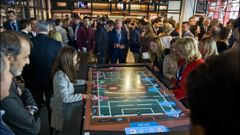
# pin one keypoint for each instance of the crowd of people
(38, 60)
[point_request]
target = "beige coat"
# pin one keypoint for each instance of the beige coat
(170, 66)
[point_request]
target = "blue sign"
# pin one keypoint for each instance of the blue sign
(145, 130)
(143, 124)
(145, 127)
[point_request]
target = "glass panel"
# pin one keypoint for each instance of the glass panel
(31, 3)
(143, 7)
(39, 14)
(163, 8)
(174, 5)
(153, 7)
(61, 4)
(57, 15)
(101, 6)
(38, 3)
(44, 14)
(31, 12)
(135, 7)
(173, 16)
(43, 3)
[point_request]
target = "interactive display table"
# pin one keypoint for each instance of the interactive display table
(129, 93)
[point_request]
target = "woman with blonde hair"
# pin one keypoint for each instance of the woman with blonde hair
(190, 59)
(207, 47)
(156, 52)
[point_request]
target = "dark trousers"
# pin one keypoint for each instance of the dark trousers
(117, 54)
(38, 95)
(74, 44)
(101, 59)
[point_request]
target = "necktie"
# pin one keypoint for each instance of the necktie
(119, 36)
(14, 26)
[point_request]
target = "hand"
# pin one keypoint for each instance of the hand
(90, 82)
(185, 112)
(155, 68)
(94, 97)
(118, 45)
(86, 96)
(31, 109)
(167, 92)
(31, 112)
(121, 46)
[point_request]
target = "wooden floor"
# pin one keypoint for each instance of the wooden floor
(130, 58)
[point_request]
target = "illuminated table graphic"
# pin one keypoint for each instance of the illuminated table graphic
(130, 93)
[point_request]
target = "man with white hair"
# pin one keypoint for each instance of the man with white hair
(118, 41)
(38, 74)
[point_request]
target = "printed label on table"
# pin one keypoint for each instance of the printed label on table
(145, 130)
(143, 124)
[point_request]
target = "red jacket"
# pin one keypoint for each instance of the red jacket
(180, 92)
(85, 38)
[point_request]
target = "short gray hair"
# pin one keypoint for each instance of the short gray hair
(10, 43)
(51, 22)
(42, 26)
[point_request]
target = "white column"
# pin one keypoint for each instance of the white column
(188, 8)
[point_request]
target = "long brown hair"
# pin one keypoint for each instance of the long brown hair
(64, 62)
(160, 51)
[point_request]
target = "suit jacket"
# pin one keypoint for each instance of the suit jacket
(16, 115)
(102, 41)
(85, 38)
(43, 54)
(7, 26)
(135, 40)
(180, 92)
(170, 66)
(26, 34)
(4, 129)
(113, 38)
(160, 30)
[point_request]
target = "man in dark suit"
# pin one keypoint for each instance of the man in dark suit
(76, 25)
(6, 79)
(25, 27)
(157, 26)
(102, 47)
(118, 42)
(42, 57)
(12, 23)
(19, 106)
